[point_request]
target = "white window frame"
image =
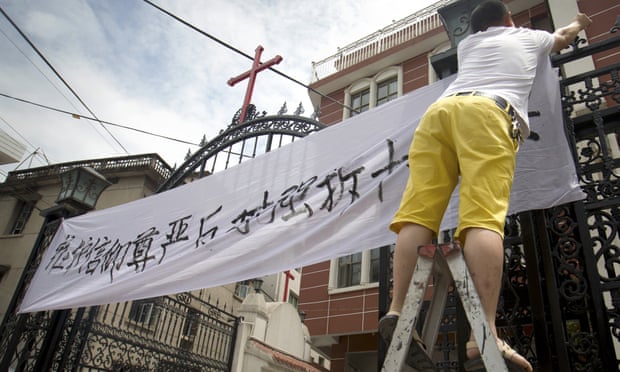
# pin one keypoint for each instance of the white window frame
(364, 277)
(22, 214)
(352, 90)
(371, 85)
(432, 75)
(142, 312)
(390, 95)
(242, 289)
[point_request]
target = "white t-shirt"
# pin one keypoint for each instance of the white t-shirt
(502, 61)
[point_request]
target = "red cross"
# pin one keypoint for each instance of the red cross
(257, 67)
(287, 276)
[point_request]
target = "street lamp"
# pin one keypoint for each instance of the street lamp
(257, 283)
(455, 18)
(81, 187)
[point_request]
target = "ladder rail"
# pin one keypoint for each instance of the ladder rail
(441, 284)
(464, 285)
(403, 334)
(446, 264)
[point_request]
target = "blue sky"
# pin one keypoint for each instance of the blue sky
(135, 66)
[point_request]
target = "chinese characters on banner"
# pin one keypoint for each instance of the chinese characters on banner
(331, 194)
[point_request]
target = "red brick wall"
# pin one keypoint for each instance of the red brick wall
(340, 313)
(603, 14)
(331, 112)
(351, 344)
(313, 297)
(415, 73)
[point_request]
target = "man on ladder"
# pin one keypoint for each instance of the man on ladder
(473, 132)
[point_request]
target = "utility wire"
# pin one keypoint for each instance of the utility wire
(204, 33)
(78, 116)
(60, 77)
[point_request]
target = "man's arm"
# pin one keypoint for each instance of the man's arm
(564, 36)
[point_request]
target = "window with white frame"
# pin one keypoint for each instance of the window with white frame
(293, 299)
(433, 76)
(22, 214)
(142, 312)
(350, 270)
(374, 265)
(356, 270)
(242, 289)
(360, 102)
(367, 93)
(387, 90)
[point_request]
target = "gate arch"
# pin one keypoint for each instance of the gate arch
(266, 127)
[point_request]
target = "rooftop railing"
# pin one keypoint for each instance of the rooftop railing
(388, 37)
(133, 162)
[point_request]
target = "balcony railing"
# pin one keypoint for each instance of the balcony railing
(388, 37)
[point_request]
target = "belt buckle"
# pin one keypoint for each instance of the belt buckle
(515, 132)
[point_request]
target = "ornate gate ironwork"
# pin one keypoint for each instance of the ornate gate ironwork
(560, 304)
(265, 132)
(171, 333)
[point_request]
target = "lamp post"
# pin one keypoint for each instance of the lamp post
(79, 192)
(81, 188)
(257, 284)
(455, 19)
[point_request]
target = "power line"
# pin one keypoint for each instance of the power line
(60, 77)
(78, 116)
(204, 33)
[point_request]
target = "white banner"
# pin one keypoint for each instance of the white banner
(331, 194)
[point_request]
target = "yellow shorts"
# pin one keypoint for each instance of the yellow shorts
(460, 136)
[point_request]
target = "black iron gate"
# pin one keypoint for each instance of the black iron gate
(580, 252)
(171, 333)
(560, 304)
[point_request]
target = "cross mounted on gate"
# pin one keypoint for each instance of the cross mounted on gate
(257, 67)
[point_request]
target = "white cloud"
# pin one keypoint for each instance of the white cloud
(136, 66)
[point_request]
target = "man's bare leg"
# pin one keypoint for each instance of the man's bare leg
(410, 237)
(484, 254)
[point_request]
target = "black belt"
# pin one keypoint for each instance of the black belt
(515, 127)
(499, 101)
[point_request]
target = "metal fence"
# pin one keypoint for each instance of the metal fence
(171, 333)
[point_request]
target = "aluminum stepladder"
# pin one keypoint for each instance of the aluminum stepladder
(445, 262)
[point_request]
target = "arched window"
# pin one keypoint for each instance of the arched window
(367, 93)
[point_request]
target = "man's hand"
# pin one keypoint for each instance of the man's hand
(583, 20)
(564, 36)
